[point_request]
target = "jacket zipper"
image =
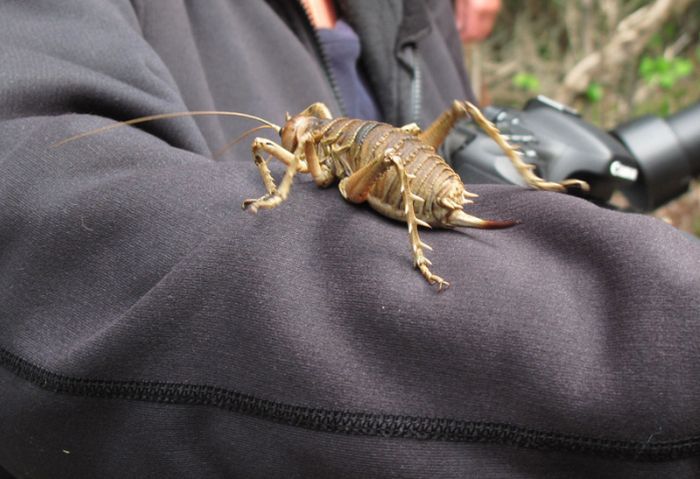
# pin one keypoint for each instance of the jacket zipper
(416, 90)
(325, 64)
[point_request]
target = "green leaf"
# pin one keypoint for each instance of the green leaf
(682, 67)
(663, 65)
(594, 92)
(667, 80)
(665, 72)
(647, 67)
(526, 81)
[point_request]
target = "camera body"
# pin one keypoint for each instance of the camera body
(650, 160)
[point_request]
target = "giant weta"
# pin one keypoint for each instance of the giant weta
(396, 170)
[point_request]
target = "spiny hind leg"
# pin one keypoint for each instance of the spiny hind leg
(438, 130)
(275, 195)
(417, 246)
(436, 133)
(525, 169)
(356, 188)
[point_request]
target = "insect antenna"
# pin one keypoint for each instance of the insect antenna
(217, 154)
(165, 116)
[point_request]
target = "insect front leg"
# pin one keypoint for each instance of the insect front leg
(274, 195)
(321, 173)
(356, 188)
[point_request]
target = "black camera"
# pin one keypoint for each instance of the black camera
(649, 159)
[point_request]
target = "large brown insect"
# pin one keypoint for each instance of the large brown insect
(396, 170)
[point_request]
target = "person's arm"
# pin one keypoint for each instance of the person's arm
(91, 226)
(150, 328)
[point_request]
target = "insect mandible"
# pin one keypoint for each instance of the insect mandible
(396, 170)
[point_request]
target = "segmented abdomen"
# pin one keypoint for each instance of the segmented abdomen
(360, 142)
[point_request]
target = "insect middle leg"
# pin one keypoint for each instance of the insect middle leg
(274, 195)
(356, 188)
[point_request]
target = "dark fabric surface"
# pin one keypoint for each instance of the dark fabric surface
(125, 260)
(342, 48)
(157, 440)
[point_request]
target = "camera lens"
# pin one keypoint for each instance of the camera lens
(667, 153)
(686, 125)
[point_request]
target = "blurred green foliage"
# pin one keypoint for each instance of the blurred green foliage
(526, 82)
(663, 71)
(537, 43)
(543, 40)
(594, 92)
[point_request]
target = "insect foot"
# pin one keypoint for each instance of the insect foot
(264, 202)
(250, 204)
(422, 264)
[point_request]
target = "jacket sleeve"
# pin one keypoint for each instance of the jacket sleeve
(77, 219)
(150, 328)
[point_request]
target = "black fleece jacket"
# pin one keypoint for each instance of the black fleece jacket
(150, 328)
